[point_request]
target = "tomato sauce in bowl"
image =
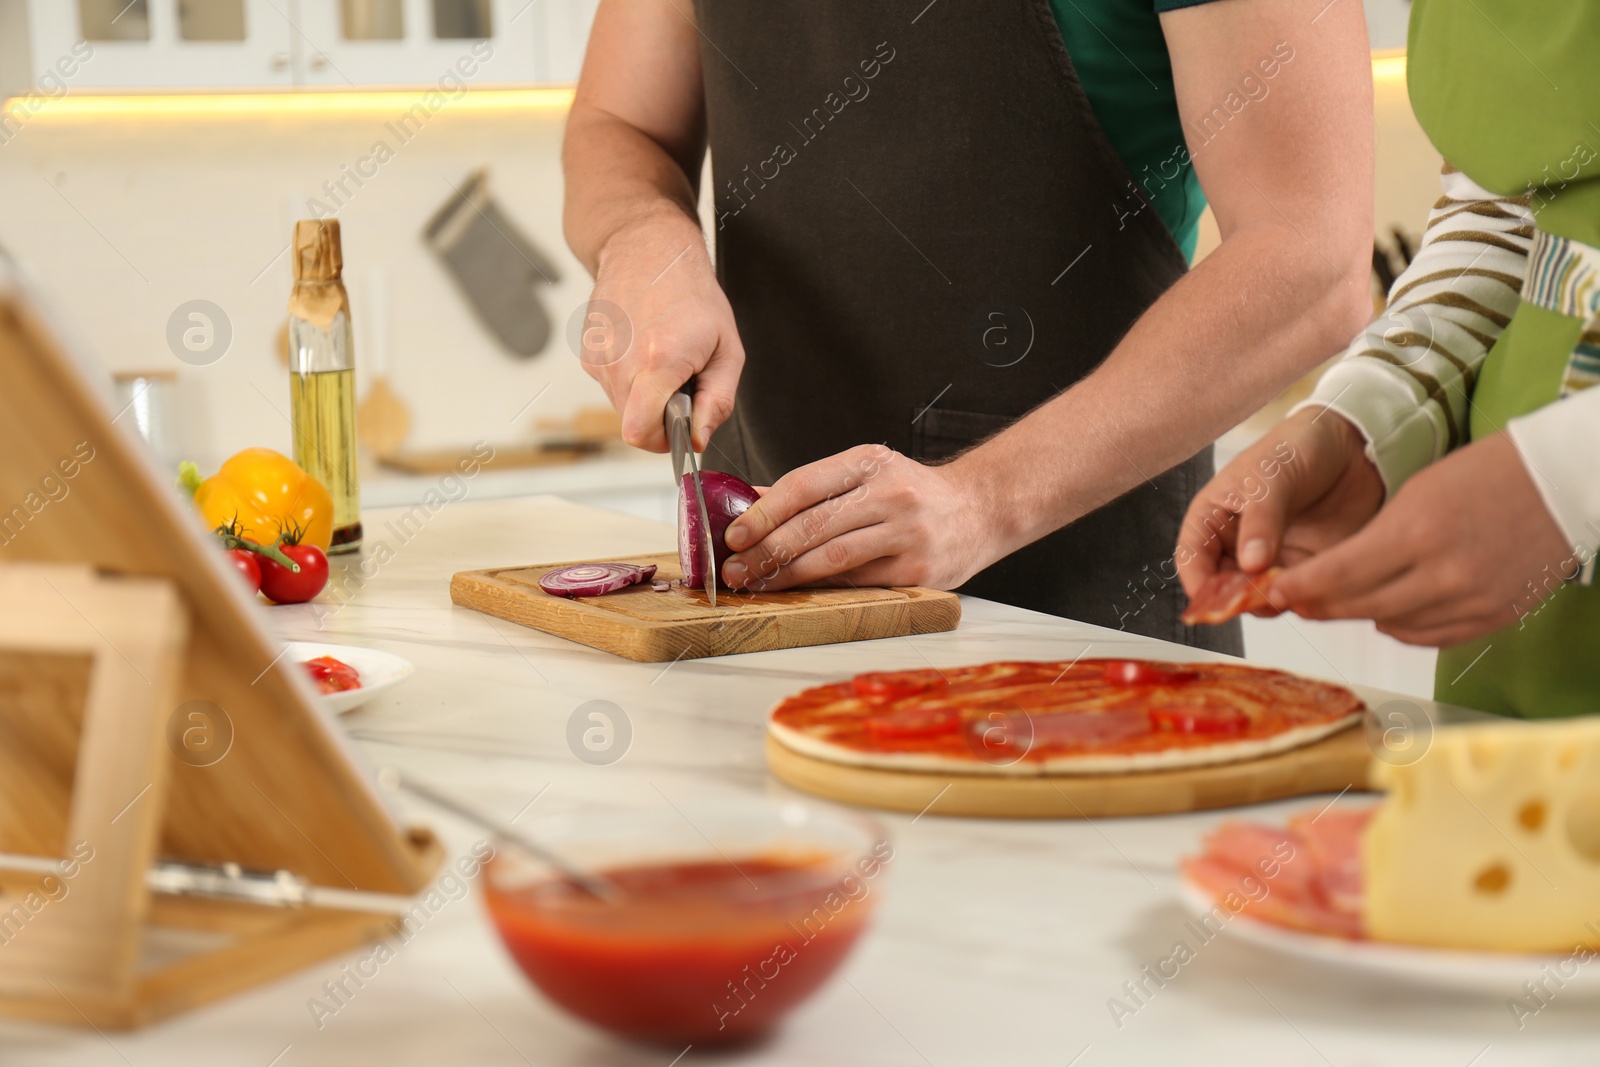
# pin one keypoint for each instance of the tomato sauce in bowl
(708, 949)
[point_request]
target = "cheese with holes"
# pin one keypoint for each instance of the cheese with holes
(1491, 840)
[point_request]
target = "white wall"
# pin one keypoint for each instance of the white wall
(1386, 22)
(124, 220)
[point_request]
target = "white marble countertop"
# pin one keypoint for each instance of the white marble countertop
(996, 943)
(617, 471)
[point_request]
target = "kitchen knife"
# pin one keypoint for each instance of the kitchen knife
(680, 410)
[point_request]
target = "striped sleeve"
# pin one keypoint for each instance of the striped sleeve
(1405, 381)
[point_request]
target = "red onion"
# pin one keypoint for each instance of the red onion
(594, 579)
(727, 498)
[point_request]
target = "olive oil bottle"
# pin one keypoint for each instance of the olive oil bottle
(322, 385)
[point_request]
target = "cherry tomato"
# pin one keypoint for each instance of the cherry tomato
(1199, 720)
(1143, 672)
(895, 683)
(247, 564)
(331, 675)
(284, 586)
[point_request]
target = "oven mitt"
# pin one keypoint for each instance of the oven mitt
(496, 268)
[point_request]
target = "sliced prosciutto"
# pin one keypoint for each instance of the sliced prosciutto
(1306, 877)
(1229, 594)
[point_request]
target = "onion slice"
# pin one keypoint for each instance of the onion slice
(594, 579)
(727, 498)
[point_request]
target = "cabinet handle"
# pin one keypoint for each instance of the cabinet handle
(280, 61)
(319, 61)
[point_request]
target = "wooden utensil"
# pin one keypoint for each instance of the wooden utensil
(1331, 765)
(382, 419)
(642, 624)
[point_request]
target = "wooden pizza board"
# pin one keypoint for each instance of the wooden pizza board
(1333, 764)
(642, 624)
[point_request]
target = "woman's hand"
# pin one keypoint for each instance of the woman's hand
(1466, 547)
(1305, 486)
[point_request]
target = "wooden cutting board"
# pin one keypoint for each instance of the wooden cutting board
(642, 624)
(1331, 765)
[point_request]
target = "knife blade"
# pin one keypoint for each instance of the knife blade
(679, 411)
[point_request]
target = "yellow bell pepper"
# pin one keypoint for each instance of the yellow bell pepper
(267, 493)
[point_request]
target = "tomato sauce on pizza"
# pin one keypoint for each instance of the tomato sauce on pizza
(1082, 716)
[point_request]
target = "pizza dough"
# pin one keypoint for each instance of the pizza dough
(1071, 717)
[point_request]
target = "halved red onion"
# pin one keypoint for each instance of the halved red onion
(594, 579)
(727, 498)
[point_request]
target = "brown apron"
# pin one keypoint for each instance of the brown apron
(924, 234)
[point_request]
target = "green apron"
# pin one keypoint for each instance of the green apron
(1506, 93)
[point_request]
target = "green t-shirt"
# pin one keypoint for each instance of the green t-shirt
(1122, 62)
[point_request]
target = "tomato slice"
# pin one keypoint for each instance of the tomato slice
(1144, 672)
(895, 683)
(914, 722)
(331, 675)
(1212, 721)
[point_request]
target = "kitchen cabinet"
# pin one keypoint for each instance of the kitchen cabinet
(146, 44)
(56, 46)
(354, 44)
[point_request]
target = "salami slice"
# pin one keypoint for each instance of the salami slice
(1229, 594)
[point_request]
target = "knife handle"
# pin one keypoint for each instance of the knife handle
(680, 406)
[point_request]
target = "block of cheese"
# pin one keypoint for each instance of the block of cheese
(1490, 841)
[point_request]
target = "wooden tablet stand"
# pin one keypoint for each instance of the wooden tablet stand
(146, 713)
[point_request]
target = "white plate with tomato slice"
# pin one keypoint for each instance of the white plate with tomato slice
(347, 676)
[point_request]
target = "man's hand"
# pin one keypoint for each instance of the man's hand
(1464, 548)
(869, 516)
(632, 154)
(1304, 487)
(674, 324)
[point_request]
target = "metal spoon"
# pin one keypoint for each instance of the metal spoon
(600, 888)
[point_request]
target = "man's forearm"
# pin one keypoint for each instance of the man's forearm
(616, 177)
(1260, 311)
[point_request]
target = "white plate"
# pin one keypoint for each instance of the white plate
(378, 670)
(1499, 974)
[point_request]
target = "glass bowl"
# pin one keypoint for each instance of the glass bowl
(727, 914)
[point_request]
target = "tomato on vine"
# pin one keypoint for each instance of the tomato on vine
(245, 562)
(283, 585)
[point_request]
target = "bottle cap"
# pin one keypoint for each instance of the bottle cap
(317, 257)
